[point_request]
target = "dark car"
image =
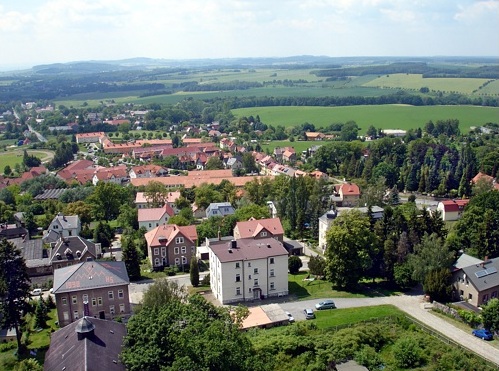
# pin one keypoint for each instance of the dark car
(326, 304)
(483, 334)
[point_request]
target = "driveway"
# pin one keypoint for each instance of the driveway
(413, 306)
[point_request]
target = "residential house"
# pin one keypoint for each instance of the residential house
(220, 209)
(259, 228)
(317, 174)
(141, 201)
(62, 226)
(95, 137)
(169, 245)
(487, 178)
(474, 280)
(233, 163)
(91, 288)
(147, 171)
(73, 250)
(248, 269)
(326, 220)
(81, 171)
(289, 156)
(346, 195)
(87, 344)
(151, 218)
(116, 174)
(452, 209)
(10, 231)
(315, 136)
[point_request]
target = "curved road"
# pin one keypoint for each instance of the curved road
(412, 305)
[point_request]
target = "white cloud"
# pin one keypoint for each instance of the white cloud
(477, 10)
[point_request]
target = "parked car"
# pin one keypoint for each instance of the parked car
(309, 314)
(326, 304)
(483, 334)
(290, 317)
(36, 292)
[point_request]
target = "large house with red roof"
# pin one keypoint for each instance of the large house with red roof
(147, 171)
(346, 195)
(259, 228)
(116, 174)
(81, 171)
(452, 209)
(169, 245)
(153, 217)
(247, 269)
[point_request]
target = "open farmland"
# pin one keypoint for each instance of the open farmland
(382, 117)
(416, 82)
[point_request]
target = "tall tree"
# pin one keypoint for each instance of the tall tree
(14, 288)
(130, 255)
(348, 249)
(194, 272)
(107, 199)
(155, 193)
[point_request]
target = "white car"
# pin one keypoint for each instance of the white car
(36, 292)
(290, 317)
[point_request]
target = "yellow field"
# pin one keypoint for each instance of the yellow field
(416, 82)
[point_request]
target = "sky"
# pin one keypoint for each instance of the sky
(36, 32)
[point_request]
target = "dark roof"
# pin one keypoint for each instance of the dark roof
(247, 249)
(90, 275)
(96, 348)
(483, 276)
(74, 244)
(12, 231)
(32, 251)
(51, 194)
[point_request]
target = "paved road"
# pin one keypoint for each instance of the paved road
(40, 137)
(412, 305)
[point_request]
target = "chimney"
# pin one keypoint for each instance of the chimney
(219, 234)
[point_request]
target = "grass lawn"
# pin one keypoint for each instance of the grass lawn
(382, 117)
(326, 319)
(13, 157)
(305, 290)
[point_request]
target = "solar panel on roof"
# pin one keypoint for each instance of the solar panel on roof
(491, 270)
(481, 274)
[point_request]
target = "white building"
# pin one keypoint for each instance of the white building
(62, 226)
(152, 218)
(326, 220)
(248, 269)
(220, 209)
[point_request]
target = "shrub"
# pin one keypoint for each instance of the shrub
(294, 264)
(368, 357)
(8, 346)
(408, 353)
(206, 280)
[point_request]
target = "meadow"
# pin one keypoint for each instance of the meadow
(416, 82)
(402, 117)
(14, 157)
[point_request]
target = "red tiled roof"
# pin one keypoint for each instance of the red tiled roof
(252, 228)
(154, 213)
(349, 189)
(454, 205)
(169, 232)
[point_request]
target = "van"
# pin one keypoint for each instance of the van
(326, 304)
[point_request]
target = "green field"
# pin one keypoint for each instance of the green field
(382, 117)
(12, 158)
(416, 82)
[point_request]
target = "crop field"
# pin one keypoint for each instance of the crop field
(382, 117)
(490, 89)
(416, 82)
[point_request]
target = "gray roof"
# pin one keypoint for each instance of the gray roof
(74, 244)
(94, 350)
(68, 221)
(32, 251)
(466, 260)
(483, 276)
(51, 194)
(247, 249)
(90, 275)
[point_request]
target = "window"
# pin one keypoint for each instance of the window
(238, 291)
(470, 296)
(485, 298)
(250, 289)
(494, 294)
(193, 249)
(99, 301)
(177, 261)
(156, 251)
(271, 260)
(150, 225)
(184, 249)
(85, 298)
(249, 264)
(272, 273)
(120, 294)
(110, 295)
(272, 287)
(64, 301)
(179, 240)
(263, 234)
(249, 276)
(111, 309)
(176, 250)
(65, 315)
(94, 302)
(73, 299)
(237, 265)
(163, 251)
(122, 308)
(238, 278)
(255, 282)
(156, 262)
(184, 260)
(255, 271)
(75, 314)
